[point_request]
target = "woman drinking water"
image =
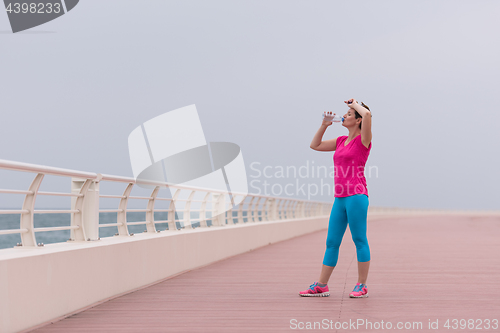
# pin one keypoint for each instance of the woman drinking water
(351, 195)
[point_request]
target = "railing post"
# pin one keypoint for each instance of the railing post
(27, 219)
(231, 218)
(172, 225)
(240, 211)
(88, 218)
(150, 214)
(285, 209)
(249, 210)
(274, 209)
(121, 216)
(279, 210)
(255, 214)
(266, 210)
(186, 216)
(301, 209)
(203, 211)
(218, 207)
(296, 210)
(289, 212)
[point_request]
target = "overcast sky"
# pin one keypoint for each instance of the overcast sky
(261, 73)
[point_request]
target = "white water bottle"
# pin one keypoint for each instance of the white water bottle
(335, 118)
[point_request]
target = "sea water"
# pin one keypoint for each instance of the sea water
(11, 221)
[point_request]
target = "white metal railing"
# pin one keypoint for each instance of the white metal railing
(85, 205)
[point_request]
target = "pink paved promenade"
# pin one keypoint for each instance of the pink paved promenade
(422, 268)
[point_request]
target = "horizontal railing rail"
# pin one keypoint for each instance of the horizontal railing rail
(85, 209)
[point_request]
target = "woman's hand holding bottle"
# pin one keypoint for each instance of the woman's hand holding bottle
(328, 118)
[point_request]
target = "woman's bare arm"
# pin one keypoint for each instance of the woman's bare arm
(366, 124)
(328, 145)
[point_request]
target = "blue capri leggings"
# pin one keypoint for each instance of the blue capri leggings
(352, 210)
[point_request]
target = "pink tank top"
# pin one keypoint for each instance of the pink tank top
(349, 166)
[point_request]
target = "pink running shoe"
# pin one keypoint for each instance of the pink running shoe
(360, 290)
(315, 291)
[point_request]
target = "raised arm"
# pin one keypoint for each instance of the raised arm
(328, 145)
(366, 124)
